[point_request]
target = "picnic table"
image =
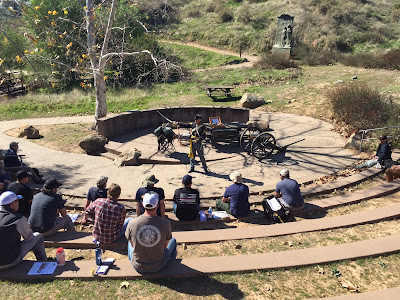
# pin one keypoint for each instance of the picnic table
(225, 89)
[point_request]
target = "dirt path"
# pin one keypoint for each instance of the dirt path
(251, 58)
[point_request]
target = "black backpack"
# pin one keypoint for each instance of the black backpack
(280, 215)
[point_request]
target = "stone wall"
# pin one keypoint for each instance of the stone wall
(141, 119)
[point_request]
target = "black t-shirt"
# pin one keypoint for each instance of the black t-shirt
(44, 211)
(187, 201)
(27, 195)
(143, 190)
(95, 193)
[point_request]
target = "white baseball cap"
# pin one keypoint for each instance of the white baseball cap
(150, 201)
(284, 172)
(8, 197)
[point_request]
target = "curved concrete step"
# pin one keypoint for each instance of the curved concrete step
(386, 294)
(191, 267)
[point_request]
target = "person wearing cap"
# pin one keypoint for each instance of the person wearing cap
(197, 137)
(20, 188)
(5, 179)
(288, 193)
(13, 163)
(109, 216)
(48, 213)
(96, 192)
(383, 155)
(149, 187)
(186, 200)
(13, 226)
(150, 241)
(235, 200)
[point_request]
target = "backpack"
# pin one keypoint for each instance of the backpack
(275, 212)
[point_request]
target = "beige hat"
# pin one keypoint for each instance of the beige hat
(284, 172)
(236, 177)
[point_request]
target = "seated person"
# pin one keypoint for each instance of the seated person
(150, 241)
(20, 188)
(13, 162)
(48, 214)
(235, 200)
(383, 155)
(287, 192)
(5, 179)
(109, 216)
(392, 173)
(149, 183)
(94, 193)
(186, 201)
(12, 226)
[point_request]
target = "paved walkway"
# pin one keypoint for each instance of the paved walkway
(319, 154)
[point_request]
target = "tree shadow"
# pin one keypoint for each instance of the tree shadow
(202, 286)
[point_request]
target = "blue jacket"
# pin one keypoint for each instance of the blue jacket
(384, 152)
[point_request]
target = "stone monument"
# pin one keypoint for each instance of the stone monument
(284, 34)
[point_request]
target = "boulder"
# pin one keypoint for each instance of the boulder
(353, 142)
(29, 131)
(128, 158)
(93, 143)
(251, 101)
(260, 125)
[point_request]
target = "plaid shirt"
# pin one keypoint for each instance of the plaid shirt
(109, 217)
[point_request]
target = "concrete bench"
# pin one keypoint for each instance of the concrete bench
(190, 267)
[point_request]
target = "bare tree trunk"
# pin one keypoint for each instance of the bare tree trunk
(101, 100)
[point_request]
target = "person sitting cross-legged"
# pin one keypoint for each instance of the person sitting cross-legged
(235, 200)
(48, 213)
(186, 200)
(94, 193)
(148, 187)
(150, 241)
(109, 216)
(12, 226)
(288, 193)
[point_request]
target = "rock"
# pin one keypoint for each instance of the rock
(260, 125)
(353, 142)
(184, 246)
(238, 246)
(338, 81)
(29, 131)
(128, 158)
(93, 143)
(354, 77)
(251, 101)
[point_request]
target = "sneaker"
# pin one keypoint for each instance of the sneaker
(191, 170)
(206, 171)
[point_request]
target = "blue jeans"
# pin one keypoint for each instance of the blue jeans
(198, 150)
(124, 226)
(169, 253)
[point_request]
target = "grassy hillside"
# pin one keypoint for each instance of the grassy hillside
(320, 25)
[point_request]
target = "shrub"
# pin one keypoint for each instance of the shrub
(388, 60)
(276, 61)
(225, 15)
(244, 14)
(362, 107)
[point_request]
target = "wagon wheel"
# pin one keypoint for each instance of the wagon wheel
(247, 137)
(263, 145)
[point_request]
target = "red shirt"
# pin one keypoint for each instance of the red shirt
(109, 217)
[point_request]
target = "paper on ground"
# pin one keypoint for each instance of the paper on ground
(42, 268)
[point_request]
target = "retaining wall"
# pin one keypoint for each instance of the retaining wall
(140, 119)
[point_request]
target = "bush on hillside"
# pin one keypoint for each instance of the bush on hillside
(244, 13)
(276, 61)
(389, 60)
(362, 107)
(311, 57)
(224, 15)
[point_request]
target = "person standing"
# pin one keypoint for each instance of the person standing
(48, 214)
(235, 200)
(13, 226)
(197, 136)
(186, 200)
(150, 241)
(288, 193)
(20, 188)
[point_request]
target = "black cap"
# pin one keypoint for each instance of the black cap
(197, 117)
(13, 144)
(51, 184)
(187, 179)
(383, 137)
(22, 174)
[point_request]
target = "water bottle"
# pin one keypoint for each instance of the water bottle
(203, 217)
(98, 254)
(60, 255)
(210, 213)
